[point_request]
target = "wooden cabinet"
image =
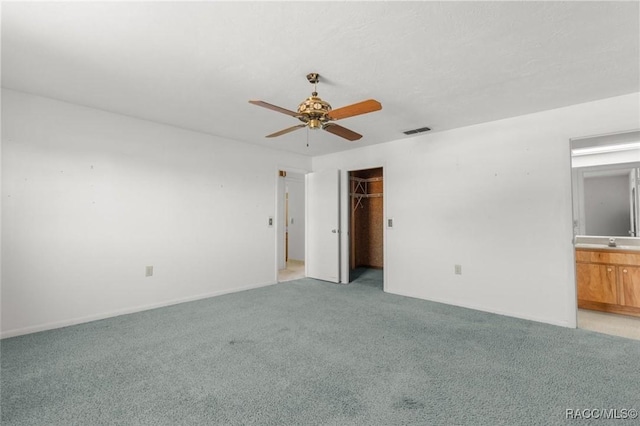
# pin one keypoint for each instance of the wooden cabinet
(608, 280)
(630, 291)
(597, 283)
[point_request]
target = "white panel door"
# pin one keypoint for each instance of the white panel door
(323, 225)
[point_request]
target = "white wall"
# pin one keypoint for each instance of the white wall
(295, 189)
(91, 198)
(495, 198)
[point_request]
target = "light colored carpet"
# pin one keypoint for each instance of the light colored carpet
(313, 353)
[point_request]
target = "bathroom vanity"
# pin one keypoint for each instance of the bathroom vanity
(608, 277)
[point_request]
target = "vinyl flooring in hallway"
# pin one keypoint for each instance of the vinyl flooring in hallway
(293, 271)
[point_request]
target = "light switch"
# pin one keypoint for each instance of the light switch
(270, 222)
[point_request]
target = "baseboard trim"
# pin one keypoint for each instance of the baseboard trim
(125, 311)
(492, 311)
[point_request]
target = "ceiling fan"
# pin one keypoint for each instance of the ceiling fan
(317, 114)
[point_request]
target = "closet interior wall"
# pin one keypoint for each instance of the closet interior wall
(366, 187)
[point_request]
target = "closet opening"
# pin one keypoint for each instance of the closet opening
(366, 236)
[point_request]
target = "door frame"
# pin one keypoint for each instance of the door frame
(278, 216)
(345, 219)
(577, 203)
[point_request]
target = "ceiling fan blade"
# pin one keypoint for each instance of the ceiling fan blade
(343, 132)
(285, 131)
(363, 107)
(274, 108)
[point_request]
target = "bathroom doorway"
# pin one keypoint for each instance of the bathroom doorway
(605, 178)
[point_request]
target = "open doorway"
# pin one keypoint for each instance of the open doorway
(291, 225)
(366, 236)
(606, 176)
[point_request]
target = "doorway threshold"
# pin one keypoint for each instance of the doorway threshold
(293, 271)
(371, 277)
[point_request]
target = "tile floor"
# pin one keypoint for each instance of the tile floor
(294, 271)
(603, 322)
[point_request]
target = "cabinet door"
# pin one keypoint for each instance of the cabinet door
(597, 283)
(630, 285)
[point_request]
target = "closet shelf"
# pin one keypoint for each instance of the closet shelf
(373, 179)
(361, 190)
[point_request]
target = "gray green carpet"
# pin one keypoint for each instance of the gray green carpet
(307, 352)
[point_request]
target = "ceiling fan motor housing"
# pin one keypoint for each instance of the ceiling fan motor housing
(314, 111)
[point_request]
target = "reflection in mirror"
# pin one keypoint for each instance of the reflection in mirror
(606, 181)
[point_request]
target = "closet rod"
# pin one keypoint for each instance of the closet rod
(373, 179)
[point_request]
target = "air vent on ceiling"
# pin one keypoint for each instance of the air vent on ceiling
(414, 131)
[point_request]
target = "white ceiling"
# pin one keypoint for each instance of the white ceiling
(438, 64)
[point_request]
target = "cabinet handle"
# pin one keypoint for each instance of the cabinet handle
(624, 270)
(608, 269)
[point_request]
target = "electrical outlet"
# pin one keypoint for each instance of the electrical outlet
(458, 269)
(148, 271)
(390, 222)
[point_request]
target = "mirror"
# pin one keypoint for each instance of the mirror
(606, 182)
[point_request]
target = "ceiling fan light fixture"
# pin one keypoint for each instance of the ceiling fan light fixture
(314, 108)
(318, 114)
(314, 124)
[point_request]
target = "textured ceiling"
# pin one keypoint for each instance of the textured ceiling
(438, 64)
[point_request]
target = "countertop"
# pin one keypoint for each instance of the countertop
(607, 247)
